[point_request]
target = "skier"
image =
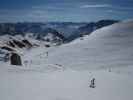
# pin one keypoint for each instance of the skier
(47, 53)
(92, 85)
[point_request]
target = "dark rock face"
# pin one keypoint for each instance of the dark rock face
(15, 59)
(26, 42)
(11, 44)
(7, 48)
(19, 43)
(47, 45)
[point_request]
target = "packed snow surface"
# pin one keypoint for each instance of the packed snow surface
(65, 72)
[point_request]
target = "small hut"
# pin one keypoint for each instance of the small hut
(15, 59)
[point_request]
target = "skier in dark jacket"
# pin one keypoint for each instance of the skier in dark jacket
(92, 85)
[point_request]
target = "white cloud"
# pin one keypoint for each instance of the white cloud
(96, 6)
(106, 6)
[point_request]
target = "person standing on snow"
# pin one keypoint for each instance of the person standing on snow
(92, 85)
(47, 53)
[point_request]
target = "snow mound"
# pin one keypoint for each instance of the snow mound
(118, 30)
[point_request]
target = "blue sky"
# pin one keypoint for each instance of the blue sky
(64, 10)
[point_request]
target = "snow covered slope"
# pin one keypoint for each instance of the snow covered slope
(65, 72)
(109, 47)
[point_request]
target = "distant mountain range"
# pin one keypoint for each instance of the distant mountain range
(65, 31)
(19, 36)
